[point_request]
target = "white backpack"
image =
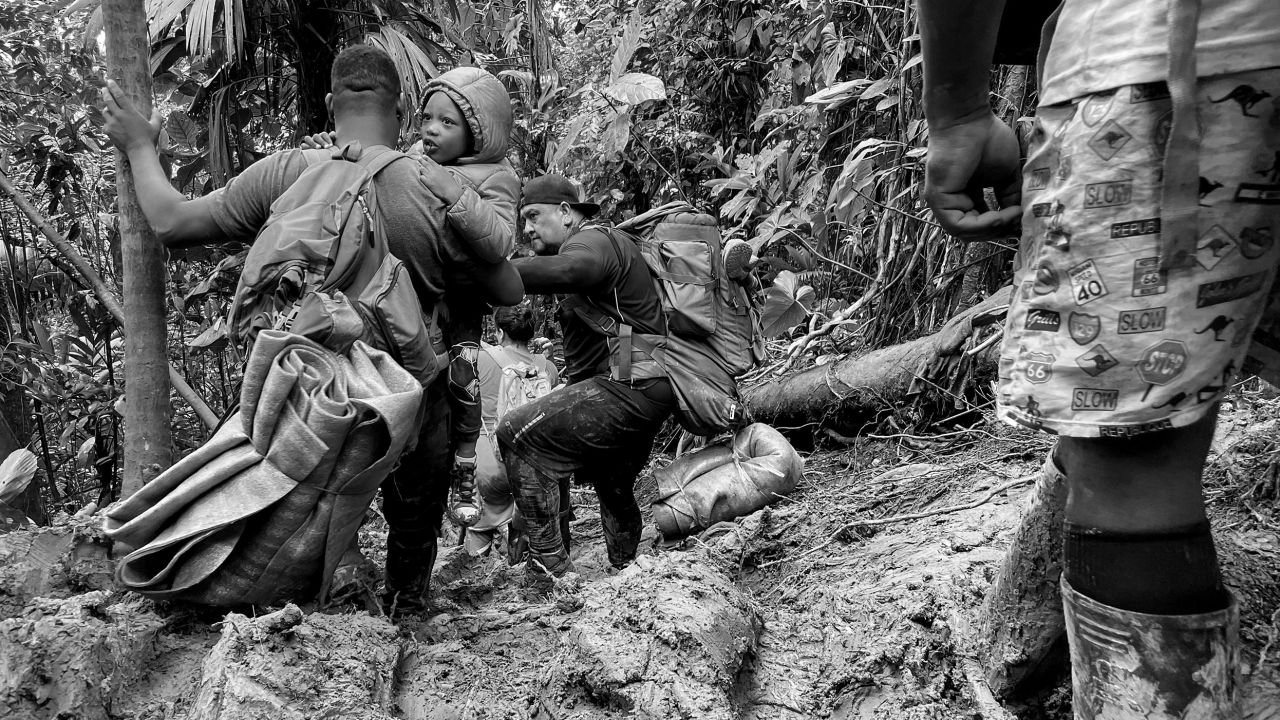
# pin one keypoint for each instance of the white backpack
(521, 383)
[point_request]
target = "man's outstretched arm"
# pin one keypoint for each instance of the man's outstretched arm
(177, 221)
(969, 148)
(574, 271)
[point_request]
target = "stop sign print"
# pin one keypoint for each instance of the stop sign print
(1161, 363)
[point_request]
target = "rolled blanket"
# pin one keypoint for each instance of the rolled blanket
(265, 509)
(725, 480)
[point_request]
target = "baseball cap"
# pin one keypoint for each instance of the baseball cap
(556, 189)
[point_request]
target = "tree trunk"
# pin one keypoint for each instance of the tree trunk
(853, 391)
(148, 441)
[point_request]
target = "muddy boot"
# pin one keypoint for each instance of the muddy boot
(464, 511)
(548, 562)
(410, 557)
(1021, 632)
(1152, 667)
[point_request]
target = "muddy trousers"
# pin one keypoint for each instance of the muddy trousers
(545, 512)
(598, 431)
(413, 503)
(1136, 665)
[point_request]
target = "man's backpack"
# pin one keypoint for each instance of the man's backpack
(521, 383)
(713, 327)
(320, 267)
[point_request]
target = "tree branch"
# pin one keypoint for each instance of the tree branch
(101, 291)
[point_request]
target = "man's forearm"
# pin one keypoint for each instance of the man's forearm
(159, 200)
(555, 274)
(957, 38)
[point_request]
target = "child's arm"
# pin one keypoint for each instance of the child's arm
(485, 219)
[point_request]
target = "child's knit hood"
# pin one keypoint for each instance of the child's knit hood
(486, 107)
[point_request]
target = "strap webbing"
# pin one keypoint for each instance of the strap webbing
(1180, 193)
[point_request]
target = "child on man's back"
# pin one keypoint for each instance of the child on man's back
(465, 123)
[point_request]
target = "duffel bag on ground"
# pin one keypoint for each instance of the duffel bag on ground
(725, 480)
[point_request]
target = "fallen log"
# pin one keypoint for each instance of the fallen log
(851, 392)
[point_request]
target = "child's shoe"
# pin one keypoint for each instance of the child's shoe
(464, 511)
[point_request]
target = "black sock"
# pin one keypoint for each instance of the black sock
(1172, 572)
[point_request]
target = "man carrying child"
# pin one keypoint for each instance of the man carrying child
(422, 229)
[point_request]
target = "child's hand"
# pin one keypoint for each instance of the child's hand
(438, 180)
(319, 140)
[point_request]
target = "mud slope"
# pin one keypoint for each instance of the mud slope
(854, 598)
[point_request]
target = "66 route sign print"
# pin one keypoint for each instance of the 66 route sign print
(1161, 363)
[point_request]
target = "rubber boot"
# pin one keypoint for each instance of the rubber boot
(1134, 666)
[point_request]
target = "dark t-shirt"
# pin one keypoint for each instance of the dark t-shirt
(621, 283)
(414, 218)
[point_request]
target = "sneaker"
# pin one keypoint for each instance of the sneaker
(463, 509)
(739, 259)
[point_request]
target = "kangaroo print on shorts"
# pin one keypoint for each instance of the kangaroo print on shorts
(1103, 342)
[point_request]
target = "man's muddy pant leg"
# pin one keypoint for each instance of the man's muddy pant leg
(413, 502)
(620, 518)
(601, 431)
(543, 507)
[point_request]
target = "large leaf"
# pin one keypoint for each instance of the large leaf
(847, 199)
(182, 129)
(839, 93)
(212, 339)
(636, 88)
(15, 473)
(569, 141)
(627, 45)
(785, 305)
(614, 139)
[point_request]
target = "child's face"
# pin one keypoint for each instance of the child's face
(444, 131)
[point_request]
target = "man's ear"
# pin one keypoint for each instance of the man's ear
(328, 106)
(567, 213)
(402, 106)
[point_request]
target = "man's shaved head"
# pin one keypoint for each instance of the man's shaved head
(364, 78)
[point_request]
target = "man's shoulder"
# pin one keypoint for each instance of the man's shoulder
(592, 236)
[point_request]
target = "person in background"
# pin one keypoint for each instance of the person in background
(511, 374)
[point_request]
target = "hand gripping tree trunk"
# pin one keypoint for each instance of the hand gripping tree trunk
(147, 436)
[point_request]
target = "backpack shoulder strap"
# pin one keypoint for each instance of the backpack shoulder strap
(376, 162)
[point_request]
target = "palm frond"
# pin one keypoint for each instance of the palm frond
(233, 27)
(93, 28)
(411, 62)
(200, 18)
(163, 13)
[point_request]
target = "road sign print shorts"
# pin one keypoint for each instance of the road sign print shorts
(1099, 341)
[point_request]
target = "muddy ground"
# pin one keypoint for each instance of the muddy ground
(797, 611)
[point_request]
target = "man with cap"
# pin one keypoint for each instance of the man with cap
(598, 429)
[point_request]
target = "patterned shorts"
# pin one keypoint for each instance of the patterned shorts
(1100, 341)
